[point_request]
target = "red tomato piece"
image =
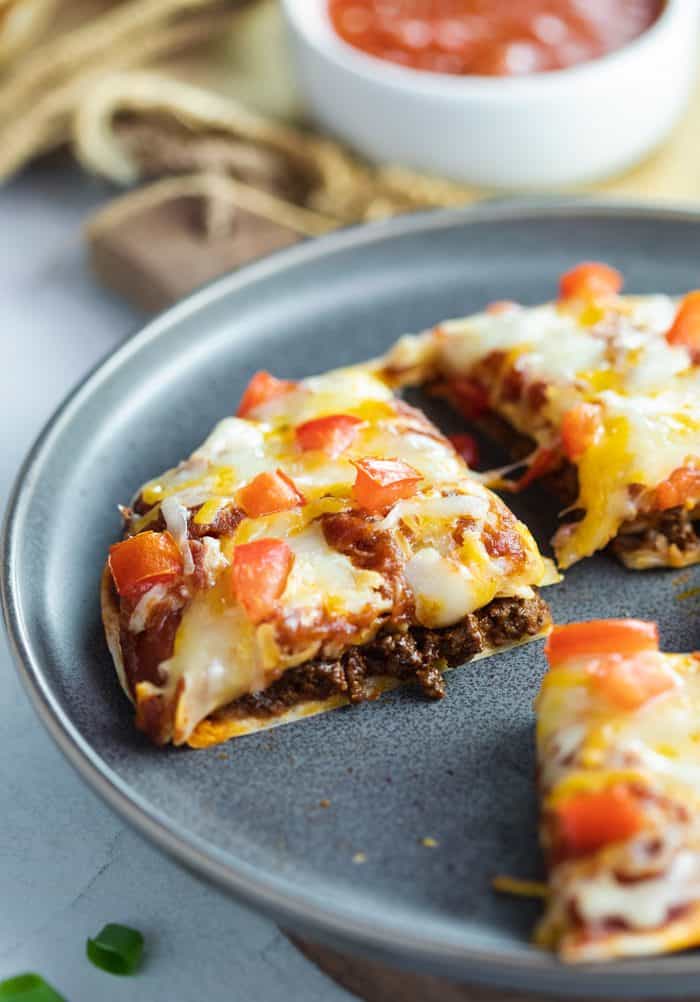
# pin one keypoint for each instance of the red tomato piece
(587, 822)
(683, 485)
(580, 429)
(259, 572)
(590, 280)
(600, 636)
(470, 397)
(332, 434)
(686, 327)
(543, 462)
(269, 493)
(380, 483)
(144, 560)
(630, 682)
(260, 389)
(467, 447)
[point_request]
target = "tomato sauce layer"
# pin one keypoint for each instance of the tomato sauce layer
(491, 37)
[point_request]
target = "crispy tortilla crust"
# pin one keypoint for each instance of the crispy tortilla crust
(574, 947)
(661, 539)
(220, 727)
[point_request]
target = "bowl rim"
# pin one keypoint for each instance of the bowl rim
(304, 17)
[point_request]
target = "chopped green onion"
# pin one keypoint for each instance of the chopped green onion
(116, 949)
(28, 988)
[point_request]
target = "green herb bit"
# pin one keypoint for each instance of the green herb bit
(117, 949)
(28, 988)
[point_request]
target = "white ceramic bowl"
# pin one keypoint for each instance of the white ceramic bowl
(534, 131)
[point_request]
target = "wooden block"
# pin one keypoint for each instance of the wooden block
(160, 253)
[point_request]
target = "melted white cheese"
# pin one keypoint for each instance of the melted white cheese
(216, 657)
(445, 510)
(684, 771)
(214, 559)
(322, 578)
(176, 516)
(656, 367)
(663, 430)
(337, 392)
(444, 590)
(232, 440)
(557, 343)
(145, 605)
(644, 904)
(654, 313)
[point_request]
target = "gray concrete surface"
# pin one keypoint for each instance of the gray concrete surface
(67, 864)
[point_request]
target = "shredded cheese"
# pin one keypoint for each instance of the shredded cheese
(332, 602)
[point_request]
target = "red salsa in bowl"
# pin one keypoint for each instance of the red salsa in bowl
(491, 37)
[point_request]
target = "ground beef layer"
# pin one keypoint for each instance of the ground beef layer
(663, 539)
(417, 655)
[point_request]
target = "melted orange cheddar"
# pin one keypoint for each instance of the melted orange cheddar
(597, 381)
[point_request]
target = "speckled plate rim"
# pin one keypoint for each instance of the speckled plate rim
(342, 927)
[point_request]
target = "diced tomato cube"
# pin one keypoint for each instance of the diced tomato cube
(580, 429)
(380, 483)
(686, 327)
(269, 493)
(681, 487)
(590, 280)
(259, 572)
(631, 681)
(600, 636)
(144, 560)
(587, 822)
(331, 435)
(260, 389)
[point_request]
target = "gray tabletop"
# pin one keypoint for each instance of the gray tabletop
(67, 864)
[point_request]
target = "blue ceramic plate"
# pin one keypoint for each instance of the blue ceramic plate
(248, 815)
